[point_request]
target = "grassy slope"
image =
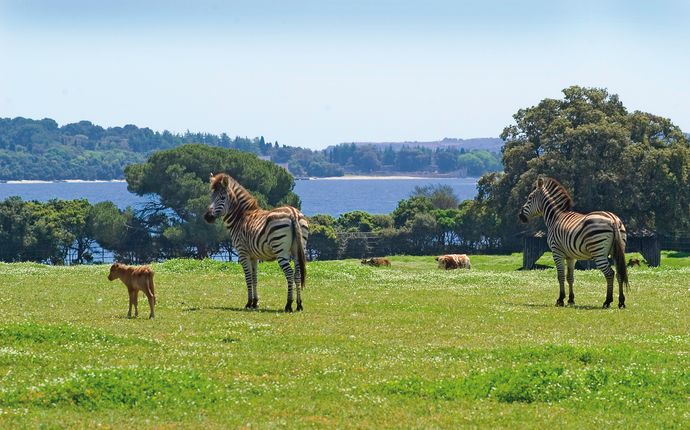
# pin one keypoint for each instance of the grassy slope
(405, 346)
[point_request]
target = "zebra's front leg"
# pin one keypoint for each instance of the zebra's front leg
(571, 280)
(605, 267)
(255, 293)
(248, 276)
(561, 279)
(289, 275)
(298, 285)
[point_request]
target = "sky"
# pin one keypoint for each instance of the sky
(322, 72)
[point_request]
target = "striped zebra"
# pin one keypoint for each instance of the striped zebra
(575, 236)
(259, 234)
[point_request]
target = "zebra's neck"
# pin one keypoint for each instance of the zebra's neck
(551, 210)
(241, 203)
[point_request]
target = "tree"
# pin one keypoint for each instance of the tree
(15, 229)
(54, 231)
(109, 225)
(356, 221)
(179, 177)
(424, 234)
(72, 217)
(447, 160)
(440, 196)
(447, 221)
(407, 209)
(472, 162)
(635, 165)
(388, 157)
(366, 159)
(413, 159)
(322, 243)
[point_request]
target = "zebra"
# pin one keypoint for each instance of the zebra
(258, 234)
(575, 236)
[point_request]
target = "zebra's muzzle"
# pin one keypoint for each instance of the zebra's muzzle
(523, 218)
(209, 218)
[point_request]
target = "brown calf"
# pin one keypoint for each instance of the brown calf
(376, 261)
(454, 261)
(136, 278)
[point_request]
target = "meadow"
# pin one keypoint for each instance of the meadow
(406, 346)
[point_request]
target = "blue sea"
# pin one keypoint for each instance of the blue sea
(319, 196)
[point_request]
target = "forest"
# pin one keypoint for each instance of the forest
(43, 150)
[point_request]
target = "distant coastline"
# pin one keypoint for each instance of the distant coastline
(327, 178)
(386, 177)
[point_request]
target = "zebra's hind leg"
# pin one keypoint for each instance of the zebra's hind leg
(255, 293)
(561, 279)
(289, 275)
(298, 285)
(571, 280)
(605, 267)
(247, 267)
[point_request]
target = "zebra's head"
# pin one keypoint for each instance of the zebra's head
(219, 197)
(532, 207)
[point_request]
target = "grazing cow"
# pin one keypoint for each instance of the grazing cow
(376, 261)
(634, 262)
(454, 261)
(136, 278)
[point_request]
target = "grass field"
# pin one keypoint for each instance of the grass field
(408, 346)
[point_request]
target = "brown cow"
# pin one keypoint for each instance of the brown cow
(634, 262)
(454, 261)
(376, 261)
(136, 278)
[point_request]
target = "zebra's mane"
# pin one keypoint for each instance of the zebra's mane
(236, 192)
(557, 193)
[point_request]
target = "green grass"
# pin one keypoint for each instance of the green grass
(404, 346)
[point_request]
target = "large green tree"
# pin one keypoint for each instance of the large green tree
(634, 164)
(179, 177)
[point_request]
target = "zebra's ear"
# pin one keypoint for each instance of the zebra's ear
(540, 182)
(225, 181)
(211, 177)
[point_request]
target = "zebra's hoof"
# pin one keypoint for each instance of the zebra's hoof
(559, 303)
(606, 305)
(248, 305)
(299, 306)
(571, 302)
(621, 305)
(255, 304)
(288, 307)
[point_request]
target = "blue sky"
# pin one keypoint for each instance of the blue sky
(316, 73)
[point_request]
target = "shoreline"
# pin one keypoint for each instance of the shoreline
(386, 177)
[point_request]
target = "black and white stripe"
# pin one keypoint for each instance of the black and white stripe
(574, 236)
(257, 234)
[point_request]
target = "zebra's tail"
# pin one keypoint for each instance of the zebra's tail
(619, 256)
(301, 257)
